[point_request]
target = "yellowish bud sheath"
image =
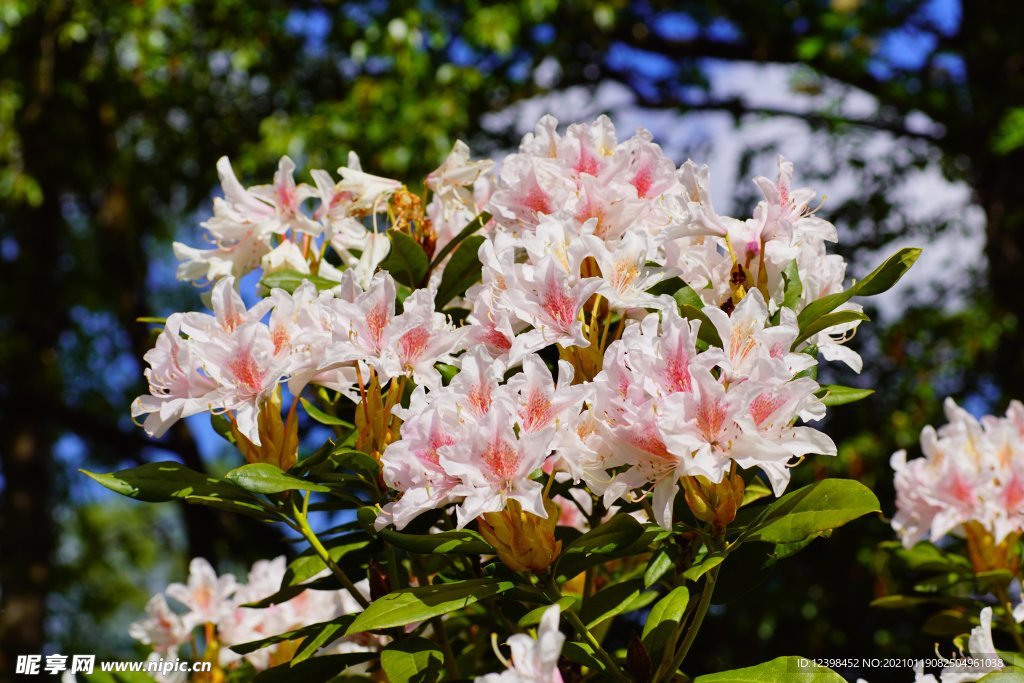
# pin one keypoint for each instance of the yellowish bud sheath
(714, 503)
(523, 541)
(279, 438)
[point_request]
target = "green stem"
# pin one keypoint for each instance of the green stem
(1015, 629)
(450, 665)
(321, 551)
(584, 632)
(695, 623)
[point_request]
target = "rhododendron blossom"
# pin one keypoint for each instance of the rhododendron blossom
(218, 602)
(972, 472)
(533, 660)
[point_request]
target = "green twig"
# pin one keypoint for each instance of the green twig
(1015, 629)
(695, 623)
(584, 632)
(308, 533)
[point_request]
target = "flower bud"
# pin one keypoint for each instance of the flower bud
(279, 439)
(373, 421)
(524, 541)
(987, 555)
(714, 503)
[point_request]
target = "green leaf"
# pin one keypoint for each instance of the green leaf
(262, 477)
(813, 509)
(780, 669)
(464, 542)
(688, 297)
(582, 653)
(159, 482)
(837, 395)
(407, 262)
(289, 281)
(598, 545)
(324, 583)
(532, 618)
(239, 507)
(707, 332)
(794, 288)
(755, 491)
(309, 564)
(316, 670)
(665, 617)
(660, 562)
(877, 281)
(318, 639)
(668, 286)
(826, 321)
(295, 634)
(412, 660)
(1010, 674)
(472, 226)
(408, 605)
(706, 564)
(222, 426)
(461, 271)
(611, 601)
(322, 417)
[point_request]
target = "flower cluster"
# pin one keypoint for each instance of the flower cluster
(585, 230)
(233, 361)
(216, 603)
(970, 481)
(269, 226)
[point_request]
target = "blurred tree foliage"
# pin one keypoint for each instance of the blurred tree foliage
(112, 116)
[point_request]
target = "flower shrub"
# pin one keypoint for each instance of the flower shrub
(556, 394)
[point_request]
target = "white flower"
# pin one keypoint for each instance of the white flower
(533, 660)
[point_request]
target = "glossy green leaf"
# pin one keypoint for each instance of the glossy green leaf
(262, 477)
(583, 654)
(462, 542)
(826, 321)
(290, 280)
(660, 562)
(703, 566)
(412, 660)
(163, 481)
(611, 601)
(794, 287)
(461, 271)
(707, 332)
(315, 670)
(474, 224)
(406, 261)
(316, 640)
(837, 395)
(532, 618)
(665, 617)
(309, 564)
(877, 281)
(780, 669)
(815, 508)
(295, 634)
(322, 417)
(409, 605)
(599, 545)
